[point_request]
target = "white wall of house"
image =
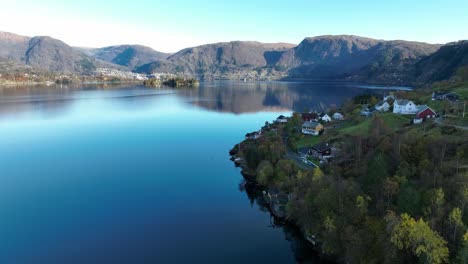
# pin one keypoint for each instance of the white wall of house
(309, 131)
(337, 116)
(383, 108)
(326, 118)
(409, 108)
(417, 121)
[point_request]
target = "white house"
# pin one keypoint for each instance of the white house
(337, 116)
(382, 106)
(326, 118)
(405, 107)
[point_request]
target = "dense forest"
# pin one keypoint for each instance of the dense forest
(395, 192)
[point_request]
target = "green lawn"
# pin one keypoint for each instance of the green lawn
(393, 121)
(463, 91)
(307, 141)
(396, 121)
(360, 129)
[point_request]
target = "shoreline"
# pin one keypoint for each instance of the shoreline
(51, 84)
(296, 195)
(282, 220)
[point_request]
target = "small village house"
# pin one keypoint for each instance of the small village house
(451, 96)
(312, 128)
(281, 119)
(320, 150)
(326, 118)
(366, 111)
(338, 116)
(424, 112)
(382, 106)
(253, 135)
(307, 117)
(404, 107)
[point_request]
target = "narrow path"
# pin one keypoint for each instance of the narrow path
(298, 159)
(440, 122)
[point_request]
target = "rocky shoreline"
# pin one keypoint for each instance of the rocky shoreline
(275, 201)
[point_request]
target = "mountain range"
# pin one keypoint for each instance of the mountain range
(342, 57)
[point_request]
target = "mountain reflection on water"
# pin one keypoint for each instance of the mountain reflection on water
(239, 97)
(226, 96)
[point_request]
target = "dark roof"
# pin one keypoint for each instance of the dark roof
(309, 115)
(381, 103)
(402, 101)
(422, 108)
(310, 124)
(321, 147)
(281, 117)
(444, 93)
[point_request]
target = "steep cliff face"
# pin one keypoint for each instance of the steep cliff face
(443, 64)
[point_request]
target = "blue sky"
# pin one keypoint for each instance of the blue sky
(175, 24)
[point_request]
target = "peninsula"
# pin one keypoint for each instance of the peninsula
(380, 180)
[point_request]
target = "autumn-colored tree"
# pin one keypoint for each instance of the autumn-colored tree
(417, 237)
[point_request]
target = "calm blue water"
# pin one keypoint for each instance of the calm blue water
(136, 175)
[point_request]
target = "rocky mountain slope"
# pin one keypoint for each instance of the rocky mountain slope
(323, 57)
(440, 65)
(230, 60)
(443, 64)
(337, 56)
(130, 56)
(343, 57)
(47, 54)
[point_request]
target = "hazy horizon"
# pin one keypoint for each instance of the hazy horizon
(170, 27)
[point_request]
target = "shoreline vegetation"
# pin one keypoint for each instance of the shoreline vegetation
(47, 80)
(12, 80)
(392, 191)
(174, 82)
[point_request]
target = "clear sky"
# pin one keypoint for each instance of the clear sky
(175, 24)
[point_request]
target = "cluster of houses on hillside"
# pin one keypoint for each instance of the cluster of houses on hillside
(405, 107)
(313, 122)
(420, 112)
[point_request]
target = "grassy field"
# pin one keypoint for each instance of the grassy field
(463, 91)
(393, 121)
(307, 141)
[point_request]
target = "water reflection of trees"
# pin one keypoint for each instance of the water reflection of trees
(302, 250)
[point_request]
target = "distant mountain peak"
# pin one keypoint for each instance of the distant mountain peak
(327, 56)
(130, 56)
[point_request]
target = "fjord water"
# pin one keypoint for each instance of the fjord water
(129, 174)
